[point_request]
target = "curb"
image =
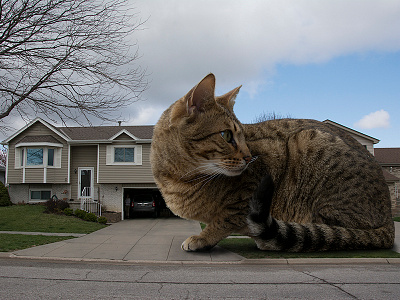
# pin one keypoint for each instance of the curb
(265, 261)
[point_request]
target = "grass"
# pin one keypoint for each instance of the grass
(31, 218)
(246, 247)
(11, 242)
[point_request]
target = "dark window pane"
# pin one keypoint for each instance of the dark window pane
(129, 154)
(35, 195)
(50, 157)
(118, 154)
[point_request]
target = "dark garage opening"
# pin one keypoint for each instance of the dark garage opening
(141, 195)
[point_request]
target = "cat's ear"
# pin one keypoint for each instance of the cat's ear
(199, 96)
(196, 100)
(228, 100)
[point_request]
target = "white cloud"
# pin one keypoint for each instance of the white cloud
(378, 119)
(146, 115)
(242, 41)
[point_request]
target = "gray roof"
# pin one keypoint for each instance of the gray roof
(97, 133)
(390, 177)
(39, 139)
(389, 156)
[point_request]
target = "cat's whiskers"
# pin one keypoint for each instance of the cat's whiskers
(210, 178)
(198, 169)
(209, 170)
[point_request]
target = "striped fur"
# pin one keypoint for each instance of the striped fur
(292, 185)
(272, 234)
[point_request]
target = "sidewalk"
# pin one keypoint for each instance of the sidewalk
(133, 240)
(152, 240)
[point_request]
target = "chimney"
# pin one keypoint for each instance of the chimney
(119, 123)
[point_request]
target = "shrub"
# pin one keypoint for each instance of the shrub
(55, 206)
(91, 217)
(68, 211)
(4, 196)
(80, 213)
(102, 220)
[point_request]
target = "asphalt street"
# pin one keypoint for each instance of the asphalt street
(41, 279)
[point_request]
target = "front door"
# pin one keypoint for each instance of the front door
(85, 186)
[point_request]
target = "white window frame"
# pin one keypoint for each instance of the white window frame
(110, 156)
(21, 160)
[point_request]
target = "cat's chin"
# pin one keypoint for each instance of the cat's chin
(232, 173)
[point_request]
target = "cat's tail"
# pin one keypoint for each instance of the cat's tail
(272, 234)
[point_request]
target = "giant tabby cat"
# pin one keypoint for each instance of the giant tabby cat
(293, 185)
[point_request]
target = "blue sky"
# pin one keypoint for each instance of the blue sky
(344, 89)
(331, 59)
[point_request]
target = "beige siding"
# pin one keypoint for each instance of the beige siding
(82, 157)
(34, 175)
(368, 144)
(126, 174)
(123, 137)
(14, 175)
(37, 129)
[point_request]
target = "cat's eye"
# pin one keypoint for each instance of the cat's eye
(227, 135)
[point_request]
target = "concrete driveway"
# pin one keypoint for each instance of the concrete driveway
(133, 240)
(155, 240)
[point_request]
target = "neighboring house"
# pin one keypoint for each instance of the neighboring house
(102, 164)
(365, 140)
(3, 174)
(389, 159)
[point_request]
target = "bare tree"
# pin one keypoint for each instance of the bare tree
(70, 60)
(269, 116)
(3, 156)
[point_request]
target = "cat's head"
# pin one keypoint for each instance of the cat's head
(208, 130)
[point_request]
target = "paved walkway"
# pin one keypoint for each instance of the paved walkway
(134, 240)
(145, 240)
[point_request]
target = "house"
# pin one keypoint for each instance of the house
(3, 174)
(365, 140)
(389, 159)
(95, 165)
(91, 164)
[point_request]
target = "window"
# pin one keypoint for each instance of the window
(124, 154)
(50, 157)
(40, 195)
(34, 156)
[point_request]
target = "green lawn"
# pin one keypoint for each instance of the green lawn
(11, 242)
(246, 247)
(31, 218)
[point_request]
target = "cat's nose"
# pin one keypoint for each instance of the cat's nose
(247, 159)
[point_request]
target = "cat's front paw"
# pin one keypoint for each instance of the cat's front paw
(195, 243)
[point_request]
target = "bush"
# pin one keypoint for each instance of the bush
(102, 220)
(91, 217)
(68, 211)
(55, 206)
(80, 213)
(4, 196)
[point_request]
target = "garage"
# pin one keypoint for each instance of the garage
(144, 203)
